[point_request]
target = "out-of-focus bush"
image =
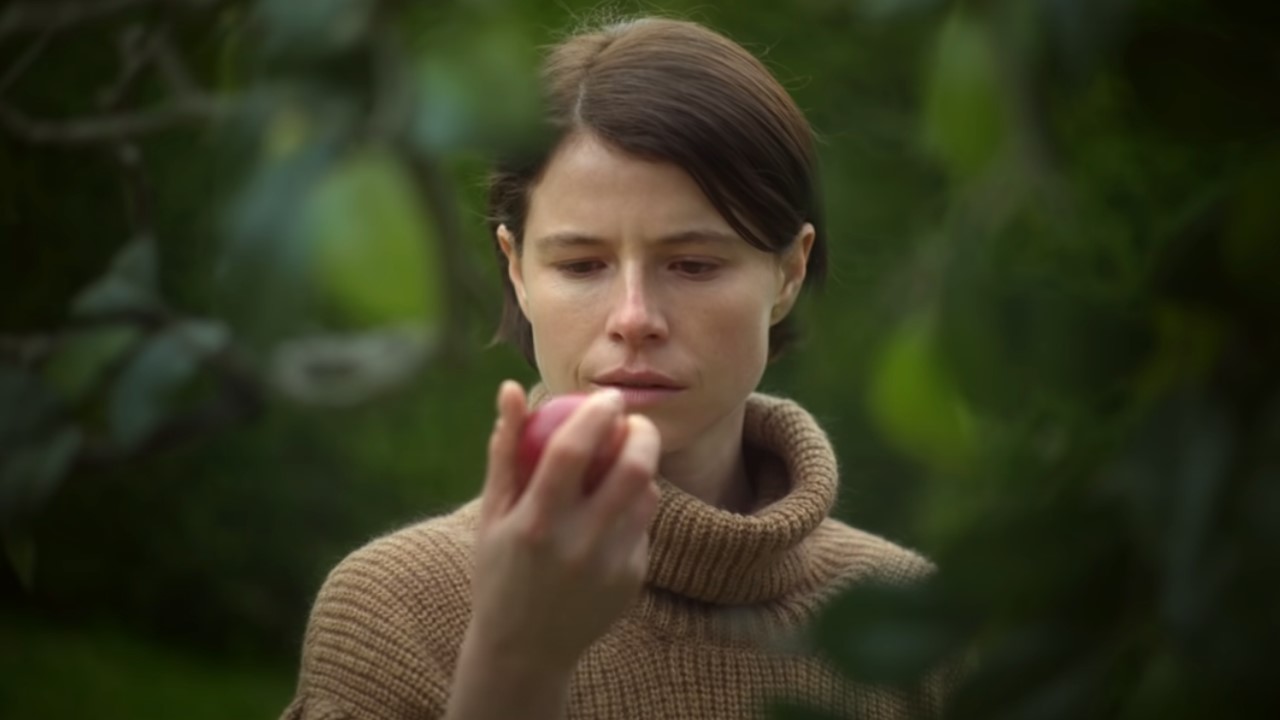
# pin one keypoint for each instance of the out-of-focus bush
(248, 288)
(1077, 346)
(248, 295)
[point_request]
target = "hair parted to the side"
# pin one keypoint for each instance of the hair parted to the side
(674, 91)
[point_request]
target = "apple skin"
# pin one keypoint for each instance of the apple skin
(539, 426)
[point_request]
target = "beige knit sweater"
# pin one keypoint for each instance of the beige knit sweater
(715, 634)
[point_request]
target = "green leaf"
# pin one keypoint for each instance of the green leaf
(1188, 342)
(374, 247)
(1023, 334)
(84, 356)
(231, 68)
(27, 407)
(1249, 248)
(315, 28)
(1176, 476)
(893, 9)
(1262, 502)
(964, 121)
(30, 474)
(20, 550)
(263, 282)
(130, 283)
(1039, 673)
(141, 395)
(887, 634)
(1162, 690)
(916, 403)
(477, 90)
(203, 337)
(1200, 80)
(1084, 31)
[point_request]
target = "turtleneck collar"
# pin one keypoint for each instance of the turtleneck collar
(712, 555)
(708, 554)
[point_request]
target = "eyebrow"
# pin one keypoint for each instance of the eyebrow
(684, 237)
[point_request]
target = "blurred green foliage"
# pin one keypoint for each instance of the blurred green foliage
(249, 292)
(98, 672)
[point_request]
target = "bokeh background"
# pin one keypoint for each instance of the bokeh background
(248, 297)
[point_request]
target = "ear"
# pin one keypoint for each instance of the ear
(507, 243)
(793, 264)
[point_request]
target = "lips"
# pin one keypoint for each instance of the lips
(640, 388)
(639, 379)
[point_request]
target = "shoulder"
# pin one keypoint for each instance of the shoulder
(408, 567)
(864, 557)
(383, 632)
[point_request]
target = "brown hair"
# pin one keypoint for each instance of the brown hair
(675, 91)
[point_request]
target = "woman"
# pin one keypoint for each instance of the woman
(652, 257)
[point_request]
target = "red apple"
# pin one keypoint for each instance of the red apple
(538, 428)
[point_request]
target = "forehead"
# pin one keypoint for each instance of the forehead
(592, 188)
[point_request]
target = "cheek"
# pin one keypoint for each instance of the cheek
(736, 330)
(563, 323)
(547, 297)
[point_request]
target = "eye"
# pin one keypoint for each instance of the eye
(580, 268)
(694, 268)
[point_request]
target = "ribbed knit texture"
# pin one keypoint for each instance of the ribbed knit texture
(715, 634)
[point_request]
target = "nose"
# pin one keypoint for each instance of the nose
(635, 315)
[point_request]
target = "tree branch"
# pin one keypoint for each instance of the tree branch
(32, 16)
(33, 349)
(25, 350)
(172, 68)
(460, 283)
(137, 49)
(389, 117)
(109, 127)
(28, 57)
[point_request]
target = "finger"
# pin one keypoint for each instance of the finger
(630, 475)
(634, 549)
(559, 478)
(627, 540)
(501, 484)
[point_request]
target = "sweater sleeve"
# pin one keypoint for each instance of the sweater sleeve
(364, 655)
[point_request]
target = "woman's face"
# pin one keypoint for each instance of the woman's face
(630, 278)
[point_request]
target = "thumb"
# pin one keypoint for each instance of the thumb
(501, 485)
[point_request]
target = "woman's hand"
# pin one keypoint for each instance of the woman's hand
(554, 568)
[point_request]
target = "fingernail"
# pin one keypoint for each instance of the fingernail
(611, 396)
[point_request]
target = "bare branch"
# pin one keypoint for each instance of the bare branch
(135, 51)
(32, 349)
(172, 68)
(149, 319)
(390, 114)
(110, 127)
(463, 287)
(28, 57)
(26, 350)
(33, 16)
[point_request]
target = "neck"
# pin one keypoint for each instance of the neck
(712, 469)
